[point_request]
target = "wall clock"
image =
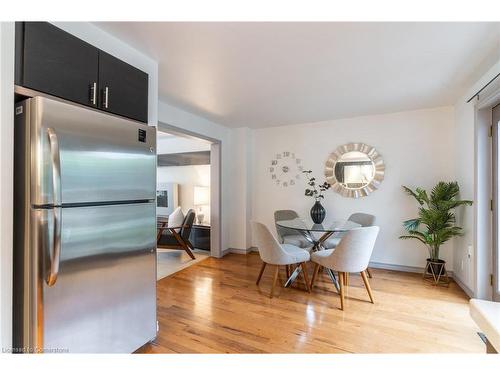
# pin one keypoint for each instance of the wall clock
(285, 169)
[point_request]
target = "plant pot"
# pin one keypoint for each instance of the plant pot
(318, 213)
(437, 265)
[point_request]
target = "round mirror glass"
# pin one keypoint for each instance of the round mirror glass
(354, 170)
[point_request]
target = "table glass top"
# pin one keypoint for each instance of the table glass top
(328, 226)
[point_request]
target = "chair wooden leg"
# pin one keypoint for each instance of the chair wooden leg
(183, 244)
(189, 252)
(287, 271)
(346, 282)
(341, 284)
(306, 278)
(279, 278)
(276, 271)
(367, 285)
(315, 274)
(369, 273)
(261, 272)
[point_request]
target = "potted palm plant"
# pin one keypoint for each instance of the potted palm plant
(435, 223)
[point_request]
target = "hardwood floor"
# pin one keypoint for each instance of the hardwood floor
(215, 307)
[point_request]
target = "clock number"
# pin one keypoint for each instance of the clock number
(281, 169)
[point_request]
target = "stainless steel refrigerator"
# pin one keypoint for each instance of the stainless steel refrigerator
(85, 230)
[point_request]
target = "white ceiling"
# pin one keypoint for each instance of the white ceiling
(167, 143)
(269, 74)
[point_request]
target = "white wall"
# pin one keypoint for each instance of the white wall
(464, 174)
(187, 176)
(418, 150)
(6, 173)
(241, 167)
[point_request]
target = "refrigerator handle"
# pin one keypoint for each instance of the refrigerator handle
(57, 209)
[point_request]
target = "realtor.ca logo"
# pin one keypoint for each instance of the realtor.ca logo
(34, 350)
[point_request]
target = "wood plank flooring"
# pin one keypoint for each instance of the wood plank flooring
(215, 307)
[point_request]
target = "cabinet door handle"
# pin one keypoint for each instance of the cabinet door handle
(106, 97)
(93, 93)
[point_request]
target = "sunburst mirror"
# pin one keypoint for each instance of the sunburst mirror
(355, 170)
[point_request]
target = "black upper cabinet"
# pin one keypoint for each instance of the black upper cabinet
(123, 89)
(55, 62)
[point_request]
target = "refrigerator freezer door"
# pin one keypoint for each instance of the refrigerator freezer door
(104, 298)
(102, 157)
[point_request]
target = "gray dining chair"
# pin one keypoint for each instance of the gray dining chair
(365, 220)
(273, 253)
(286, 235)
(351, 255)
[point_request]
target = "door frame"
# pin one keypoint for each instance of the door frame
(215, 183)
(495, 256)
(484, 202)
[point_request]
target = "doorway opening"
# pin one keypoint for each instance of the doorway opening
(187, 199)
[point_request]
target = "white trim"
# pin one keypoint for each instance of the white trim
(215, 184)
(397, 267)
(232, 250)
(483, 230)
(462, 285)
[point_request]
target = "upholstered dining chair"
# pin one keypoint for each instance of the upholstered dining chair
(179, 240)
(286, 235)
(275, 254)
(351, 255)
(365, 220)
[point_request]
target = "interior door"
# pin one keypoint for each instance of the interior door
(104, 297)
(496, 203)
(56, 62)
(102, 158)
(123, 88)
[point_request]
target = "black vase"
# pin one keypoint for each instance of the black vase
(318, 213)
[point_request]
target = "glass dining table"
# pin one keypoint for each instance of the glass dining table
(316, 235)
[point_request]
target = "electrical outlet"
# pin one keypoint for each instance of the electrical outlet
(469, 251)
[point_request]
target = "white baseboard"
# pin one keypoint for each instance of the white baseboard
(464, 287)
(398, 267)
(233, 250)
